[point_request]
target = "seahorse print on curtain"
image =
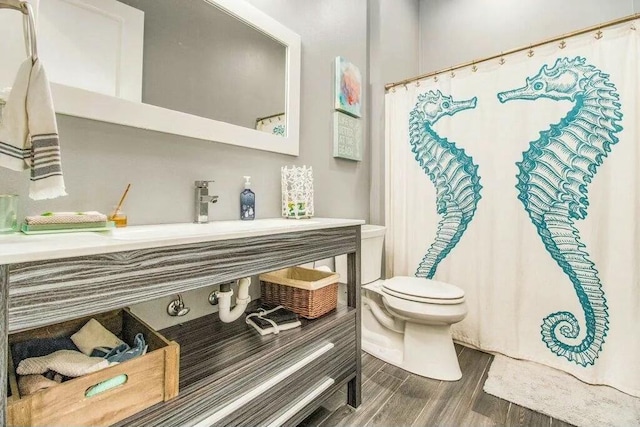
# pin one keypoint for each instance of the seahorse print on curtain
(552, 184)
(451, 170)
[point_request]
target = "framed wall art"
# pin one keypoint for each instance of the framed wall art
(348, 87)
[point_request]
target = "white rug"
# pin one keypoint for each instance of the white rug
(560, 395)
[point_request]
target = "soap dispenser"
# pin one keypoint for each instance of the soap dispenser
(247, 201)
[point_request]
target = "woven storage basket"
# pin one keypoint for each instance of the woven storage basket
(309, 293)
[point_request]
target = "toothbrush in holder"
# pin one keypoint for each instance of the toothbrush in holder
(117, 216)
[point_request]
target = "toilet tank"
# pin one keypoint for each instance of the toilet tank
(371, 255)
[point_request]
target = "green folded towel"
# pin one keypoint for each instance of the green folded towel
(67, 228)
(76, 226)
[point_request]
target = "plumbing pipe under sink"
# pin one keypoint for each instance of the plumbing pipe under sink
(226, 313)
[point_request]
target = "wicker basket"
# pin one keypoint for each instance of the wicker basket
(309, 293)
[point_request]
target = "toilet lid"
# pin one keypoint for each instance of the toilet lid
(417, 289)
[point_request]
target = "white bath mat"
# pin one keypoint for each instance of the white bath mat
(560, 395)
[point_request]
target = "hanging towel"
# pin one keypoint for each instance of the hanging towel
(29, 133)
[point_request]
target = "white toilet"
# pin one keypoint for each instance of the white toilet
(406, 321)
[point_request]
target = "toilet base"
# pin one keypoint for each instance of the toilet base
(381, 342)
(431, 353)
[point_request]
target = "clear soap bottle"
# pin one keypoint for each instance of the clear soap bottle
(247, 201)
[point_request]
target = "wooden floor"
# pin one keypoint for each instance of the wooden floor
(393, 397)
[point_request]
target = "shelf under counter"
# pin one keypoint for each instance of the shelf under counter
(221, 362)
(44, 285)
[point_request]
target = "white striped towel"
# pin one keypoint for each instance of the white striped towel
(29, 133)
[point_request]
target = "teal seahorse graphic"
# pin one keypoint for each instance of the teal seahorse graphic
(451, 170)
(552, 182)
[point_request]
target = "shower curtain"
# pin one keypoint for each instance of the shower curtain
(518, 180)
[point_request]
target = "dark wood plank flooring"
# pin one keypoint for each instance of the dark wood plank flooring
(393, 397)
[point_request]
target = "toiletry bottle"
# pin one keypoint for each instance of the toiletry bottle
(247, 201)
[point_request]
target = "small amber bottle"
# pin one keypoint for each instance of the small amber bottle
(118, 217)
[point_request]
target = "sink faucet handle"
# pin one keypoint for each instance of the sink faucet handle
(203, 184)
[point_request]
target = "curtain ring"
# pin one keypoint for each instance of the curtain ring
(599, 34)
(531, 52)
(405, 87)
(474, 68)
(502, 61)
(435, 78)
(562, 44)
(417, 83)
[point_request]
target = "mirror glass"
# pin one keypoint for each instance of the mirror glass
(218, 70)
(200, 60)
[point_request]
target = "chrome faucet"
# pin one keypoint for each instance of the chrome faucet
(202, 201)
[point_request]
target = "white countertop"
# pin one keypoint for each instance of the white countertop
(18, 247)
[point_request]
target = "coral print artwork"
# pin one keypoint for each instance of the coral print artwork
(348, 87)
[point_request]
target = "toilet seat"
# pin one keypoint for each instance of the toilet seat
(419, 312)
(423, 290)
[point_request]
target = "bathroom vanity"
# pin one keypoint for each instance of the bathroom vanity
(228, 373)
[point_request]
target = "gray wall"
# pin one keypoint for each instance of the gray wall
(394, 31)
(458, 31)
(201, 60)
(99, 159)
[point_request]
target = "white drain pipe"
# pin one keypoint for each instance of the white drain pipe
(228, 315)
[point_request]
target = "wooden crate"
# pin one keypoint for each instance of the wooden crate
(151, 379)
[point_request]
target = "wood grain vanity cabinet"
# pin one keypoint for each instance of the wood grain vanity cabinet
(229, 375)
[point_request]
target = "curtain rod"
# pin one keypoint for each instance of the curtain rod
(259, 119)
(509, 52)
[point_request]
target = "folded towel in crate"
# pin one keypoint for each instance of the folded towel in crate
(29, 384)
(272, 321)
(93, 335)
(123, 352)
(66, 362)
(39, 347)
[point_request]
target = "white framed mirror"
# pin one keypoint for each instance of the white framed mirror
(218, 70)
